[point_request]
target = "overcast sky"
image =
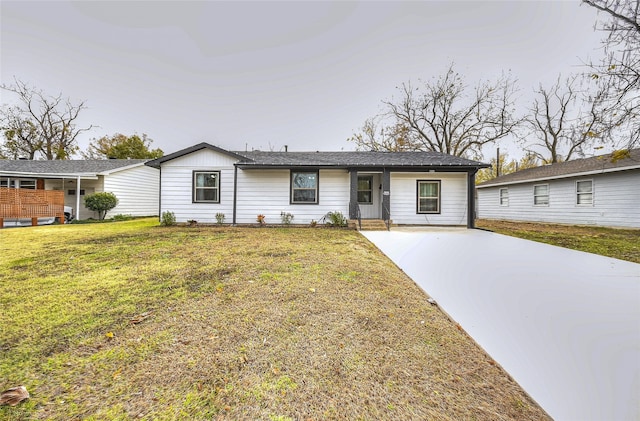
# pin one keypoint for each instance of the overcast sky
(265, 74)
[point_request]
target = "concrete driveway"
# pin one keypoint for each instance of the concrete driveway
(564, 324)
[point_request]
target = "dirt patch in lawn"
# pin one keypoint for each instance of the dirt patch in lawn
(224, 323)
(618, 243)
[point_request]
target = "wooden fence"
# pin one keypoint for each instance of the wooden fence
(31, 204)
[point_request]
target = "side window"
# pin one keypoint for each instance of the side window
(206, 186)
(584, 192)
(504, 197)
(428, 196)
(541, 195)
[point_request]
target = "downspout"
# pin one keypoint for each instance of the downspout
(235, 192)
(471, 198)
(160, 194)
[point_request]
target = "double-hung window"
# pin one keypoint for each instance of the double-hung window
(541, 195)
(365, 189)
(428, 196)
(206, 186)
(504, 196)
(28, 184)
(584, 192)
(304, 187)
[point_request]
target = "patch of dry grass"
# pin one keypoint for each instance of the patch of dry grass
(618, 243)
(242, 323)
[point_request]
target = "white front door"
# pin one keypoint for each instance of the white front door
(369, 195)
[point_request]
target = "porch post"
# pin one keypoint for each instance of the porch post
(386, 195)
(353, 192)
(471, 199)
(235, 193)
(78, 198)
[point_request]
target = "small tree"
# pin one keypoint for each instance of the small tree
(101, 202)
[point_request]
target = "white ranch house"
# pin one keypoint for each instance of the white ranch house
(135, 185)
(590, 191)
(412, 188)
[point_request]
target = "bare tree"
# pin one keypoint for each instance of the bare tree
(20, 132)
(443, 115)
(376, 134)
(562, 122)
(41, 124)
(505, 166)
(618, 75)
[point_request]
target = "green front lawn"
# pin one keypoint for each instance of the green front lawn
(621, 244)
(131, 320)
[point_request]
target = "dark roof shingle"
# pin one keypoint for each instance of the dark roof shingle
(262, 159)
(354, 159)
(66, 166)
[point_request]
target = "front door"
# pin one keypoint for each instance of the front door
(369, 195)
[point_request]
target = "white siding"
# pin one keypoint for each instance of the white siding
(267, 192)
(177, 186)
(136, 189)
(616, 201)
(453, 199)
(88, 186)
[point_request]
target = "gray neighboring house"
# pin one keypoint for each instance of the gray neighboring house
(590, 191)
(135, 185)
(412, 188)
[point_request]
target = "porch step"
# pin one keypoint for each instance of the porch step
(372, 225)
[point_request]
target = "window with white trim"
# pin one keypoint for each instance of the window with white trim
(504, 196)
(206, 186)
(584, 192)
(365, 189)
(428, 196)
(304, 187)
(541, 195)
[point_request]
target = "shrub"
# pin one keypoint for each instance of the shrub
(260, 219)
(168, 219)
(220, 218)
(286, 217)
(101, 202)
(336, 219)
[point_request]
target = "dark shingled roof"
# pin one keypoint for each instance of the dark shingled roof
(260, 159)
(577, 167)
(66, 166)
(354, 159)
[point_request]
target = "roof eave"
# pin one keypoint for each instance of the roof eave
(557, 177)
(87, 176)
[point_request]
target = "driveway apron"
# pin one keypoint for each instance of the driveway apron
(564, 324)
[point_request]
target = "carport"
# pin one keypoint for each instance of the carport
(564, 324)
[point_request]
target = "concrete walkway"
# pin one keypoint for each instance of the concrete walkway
(564, 324)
